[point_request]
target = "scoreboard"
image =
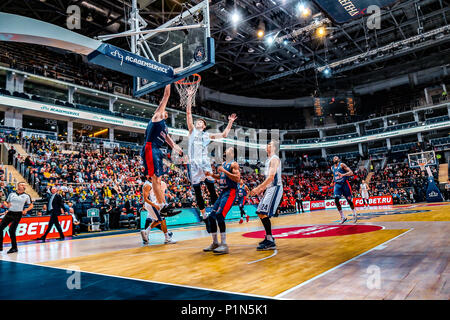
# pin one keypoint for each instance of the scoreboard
(342, 11)
(338, 106)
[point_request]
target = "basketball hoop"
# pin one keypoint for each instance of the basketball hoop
(422, 163)
(187, 88)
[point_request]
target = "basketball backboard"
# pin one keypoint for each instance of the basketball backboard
(183, 44)
(422, 159)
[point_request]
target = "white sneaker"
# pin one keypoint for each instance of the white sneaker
(355, 217)
(222, 249)
(169, 241)
(211, 247)
(144, 236)
(343, 220)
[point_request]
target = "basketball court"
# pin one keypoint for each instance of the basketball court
(405, 247)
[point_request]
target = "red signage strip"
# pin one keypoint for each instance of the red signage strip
(315, 231)
(31, 228)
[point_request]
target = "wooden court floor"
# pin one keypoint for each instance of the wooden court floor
(407, 258)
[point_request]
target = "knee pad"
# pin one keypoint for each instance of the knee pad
(211, 190)
(148, 221)
(221, 223)
(199, 197)
(338, 204)
(212, 223)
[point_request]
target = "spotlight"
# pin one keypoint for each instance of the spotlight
(261, 29)
(228, 38)
(306, 12)
(285, 42)
(303, 10)
(235, 17)
(270, 40)
(327, 72)
(321, 32)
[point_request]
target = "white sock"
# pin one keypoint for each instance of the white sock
(342, 214)
(148, 229)
(166, 235)
(223, 238)
(269, 237)
(214, 236)
(354, 212)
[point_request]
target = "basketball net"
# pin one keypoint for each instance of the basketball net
(187, 89)
(422, 164)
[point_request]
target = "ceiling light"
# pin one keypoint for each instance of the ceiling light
(321, 32)
(235, 17)
(261, 29)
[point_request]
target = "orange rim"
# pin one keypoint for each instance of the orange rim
(190, 83)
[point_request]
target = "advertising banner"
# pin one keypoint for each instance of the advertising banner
(31, 228)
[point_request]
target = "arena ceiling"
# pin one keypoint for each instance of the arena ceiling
(248, 65)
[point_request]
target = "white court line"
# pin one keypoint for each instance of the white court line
(272, 255)
(150, 281)
(378, 247)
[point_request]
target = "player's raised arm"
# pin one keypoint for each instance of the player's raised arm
(349, 172)
(159, 112)
(189, 120)
(273, 166)
(173, 145)
(235, 173)
(225, 132)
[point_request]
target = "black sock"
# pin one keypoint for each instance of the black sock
(267, 226)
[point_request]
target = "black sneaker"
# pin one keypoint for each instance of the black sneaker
(267, 245)
(12, 250)
(172, 212)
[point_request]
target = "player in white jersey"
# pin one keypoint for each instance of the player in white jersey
(154, 217)
(199, 162)
(272, 187)
(364, 191)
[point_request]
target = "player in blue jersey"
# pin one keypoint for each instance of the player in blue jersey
(342, 187)
(229, 176)
(156, 135)
(242, 190)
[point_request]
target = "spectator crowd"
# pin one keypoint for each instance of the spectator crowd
(111, 180)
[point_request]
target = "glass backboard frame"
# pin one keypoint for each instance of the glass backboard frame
(425, 156)
(204, 48)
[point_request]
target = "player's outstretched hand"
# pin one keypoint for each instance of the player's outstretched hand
(178, 149)
(232, 117)
(255, 192)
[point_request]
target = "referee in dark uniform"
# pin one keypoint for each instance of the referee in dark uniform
(15, 203)
(299, 201)
(55, 207)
